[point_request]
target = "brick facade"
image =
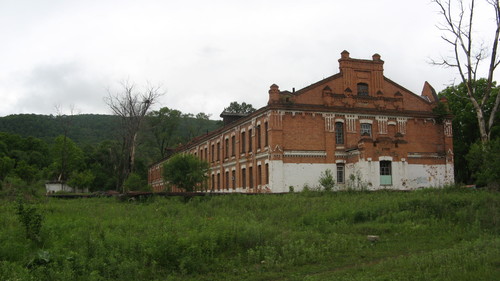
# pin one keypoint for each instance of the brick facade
(368, 130)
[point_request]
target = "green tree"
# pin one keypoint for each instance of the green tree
(6, 166)
(3, 148)
(68, 158)
(484, 162)
(103, 161)
(134, 182)
(465, 124)
(243, 108)
(196, 124)
(164, 125)
(81, 180)
(185, 171)
(21, 157)
(26, 172)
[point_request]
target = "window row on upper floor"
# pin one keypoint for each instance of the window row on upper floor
(251, 140)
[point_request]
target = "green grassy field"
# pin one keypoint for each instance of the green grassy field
(448, 234)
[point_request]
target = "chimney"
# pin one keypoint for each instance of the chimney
(274, 94)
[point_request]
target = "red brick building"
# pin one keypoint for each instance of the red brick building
(368, 130)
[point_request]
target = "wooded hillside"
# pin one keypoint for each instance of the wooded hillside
(85, 150)
(89, 129)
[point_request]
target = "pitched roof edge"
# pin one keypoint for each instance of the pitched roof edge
(397, 85)
(328, 79)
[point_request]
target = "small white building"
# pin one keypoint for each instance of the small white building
(56, 186)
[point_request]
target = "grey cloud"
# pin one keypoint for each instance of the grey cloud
(64, 85)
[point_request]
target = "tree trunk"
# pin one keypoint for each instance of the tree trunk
(481, 122)
(132, 153)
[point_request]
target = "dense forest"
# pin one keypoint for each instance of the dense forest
(84, 149)
(90, 129)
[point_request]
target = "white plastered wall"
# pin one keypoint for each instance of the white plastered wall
(404, 176)
(283, 175)
(365, 174)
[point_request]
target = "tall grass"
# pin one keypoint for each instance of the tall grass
(313, 235)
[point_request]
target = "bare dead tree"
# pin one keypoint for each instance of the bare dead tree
(131, 106)
(468, 54)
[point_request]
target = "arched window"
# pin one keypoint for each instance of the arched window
(339, 133)
(362, 89)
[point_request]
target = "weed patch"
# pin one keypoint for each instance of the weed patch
(312, 235)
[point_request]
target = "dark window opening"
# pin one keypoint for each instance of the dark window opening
(218, 151)
(362, 89)
(250, 140)
(258, 137)
(340, 173)
(339, 133)
(243, 178)
(259, 175)
(250, 176)
(385, 168)
(233, 179)
(267, 173)
(266, 138)
(243, 144)
(233, 145)
(212, 151)
(226, 148)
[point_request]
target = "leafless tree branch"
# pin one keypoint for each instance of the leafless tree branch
(131, 105)
(458, 23)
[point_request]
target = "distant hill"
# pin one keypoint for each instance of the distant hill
(83, 129)
(86, 128)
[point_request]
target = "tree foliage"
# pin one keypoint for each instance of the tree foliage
(185, 171)
(326, 180)
(81, 180)
(243, 108)
(465, 123)
(85, 128)
(68, 158)
(198, 124)
(134, 182)
(484, 162)
(26, 159)
(164, 126)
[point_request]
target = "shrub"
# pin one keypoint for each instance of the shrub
(31, 220)
(326, 180)
(135, 183)
(185, 171)
(484, 162)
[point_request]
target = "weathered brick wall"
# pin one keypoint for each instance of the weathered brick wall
(301, 130)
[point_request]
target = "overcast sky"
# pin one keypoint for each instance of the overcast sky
(205, 54)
